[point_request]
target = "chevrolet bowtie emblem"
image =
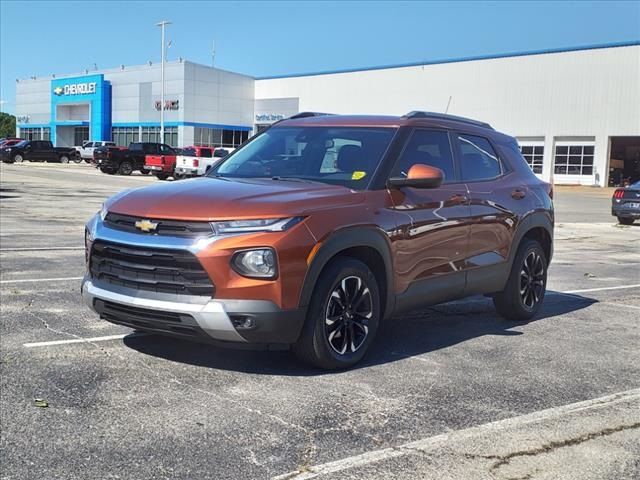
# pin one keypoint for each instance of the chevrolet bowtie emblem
(58, 91)
(146, 225)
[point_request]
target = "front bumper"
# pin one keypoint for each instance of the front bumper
(212, 321)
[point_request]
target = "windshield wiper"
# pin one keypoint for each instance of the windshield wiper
(294, 179)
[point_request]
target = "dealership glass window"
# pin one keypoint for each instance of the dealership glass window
(572, 159)
(35, 133)
(123, 136)
(533, 155)
(152, 134)
(215, 137)
(80, 135)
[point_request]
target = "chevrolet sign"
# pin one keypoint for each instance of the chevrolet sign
(76, 89)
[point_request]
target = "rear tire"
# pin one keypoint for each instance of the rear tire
(343, 316)
(144, 171)
(625, 220)
(64, 159)
(77, 159)
(522, 297)
(125, 168)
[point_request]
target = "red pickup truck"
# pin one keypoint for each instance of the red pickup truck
(162, 164)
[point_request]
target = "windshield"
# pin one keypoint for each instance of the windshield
(22, 143)
(635, 185)
(344, 156)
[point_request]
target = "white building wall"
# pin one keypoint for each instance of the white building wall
(587, 93)
(217, 96)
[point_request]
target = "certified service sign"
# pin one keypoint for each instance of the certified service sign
(76, 89)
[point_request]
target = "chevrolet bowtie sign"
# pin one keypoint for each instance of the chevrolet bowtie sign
(76, 89)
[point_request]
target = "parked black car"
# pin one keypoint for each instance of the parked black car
(125, 160)
(625, 203)
(37, 151)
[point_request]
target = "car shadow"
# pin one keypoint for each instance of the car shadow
(408, 335)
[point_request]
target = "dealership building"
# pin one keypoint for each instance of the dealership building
(575, 112)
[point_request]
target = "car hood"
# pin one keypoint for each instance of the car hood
(225, 199)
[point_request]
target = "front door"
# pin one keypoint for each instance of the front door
(433, 228)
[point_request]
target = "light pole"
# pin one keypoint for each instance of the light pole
(162, 24)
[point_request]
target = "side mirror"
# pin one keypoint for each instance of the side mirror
(419, 176)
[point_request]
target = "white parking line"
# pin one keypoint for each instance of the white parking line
(82, 340)
(38, 249)
(600, 289)
(33, 280)
(458, 435)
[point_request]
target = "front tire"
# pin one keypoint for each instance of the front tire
(522, 297)
(18, 159)
(343, 316)
(125, 168)
(625, 220)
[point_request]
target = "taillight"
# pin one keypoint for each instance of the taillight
(618, 194)
(196, 163)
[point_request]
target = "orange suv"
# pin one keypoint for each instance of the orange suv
(321, 227)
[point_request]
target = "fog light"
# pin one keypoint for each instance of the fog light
(259, 263)
(243, 323)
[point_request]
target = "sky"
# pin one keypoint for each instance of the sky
(276, 38)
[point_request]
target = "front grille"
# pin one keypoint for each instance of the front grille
(154, 269)
(174, 228)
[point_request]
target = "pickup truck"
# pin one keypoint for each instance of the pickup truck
(37, 151)
(87, 148)
(124, 161)
(196, 161)
(162, 163)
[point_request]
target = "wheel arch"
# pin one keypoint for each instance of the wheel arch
(369, 245)
(537, 226)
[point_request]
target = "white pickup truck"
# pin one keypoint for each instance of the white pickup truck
(87, 148)
(196, 161)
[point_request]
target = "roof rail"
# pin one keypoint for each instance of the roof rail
(309, 114)
(445, 116)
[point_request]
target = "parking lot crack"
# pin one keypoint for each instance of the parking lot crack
(502, 460)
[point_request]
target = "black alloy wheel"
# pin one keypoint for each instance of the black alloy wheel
(532, 277)
(526, 286)
(347, 315)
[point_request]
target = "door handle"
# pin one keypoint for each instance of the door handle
(518, 194)
(458, 199)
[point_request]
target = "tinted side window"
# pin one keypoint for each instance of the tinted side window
(205, 152)
(478, 159)
(429, 148)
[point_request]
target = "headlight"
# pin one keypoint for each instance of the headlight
(260, 225)
(88, 241)
(103, 211)
(258, 263)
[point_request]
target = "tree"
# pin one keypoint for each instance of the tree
(7, 125)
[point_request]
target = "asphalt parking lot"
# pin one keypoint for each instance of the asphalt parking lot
(452, 391)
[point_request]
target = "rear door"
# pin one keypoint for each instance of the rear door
(498, 199)
(432, 223)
